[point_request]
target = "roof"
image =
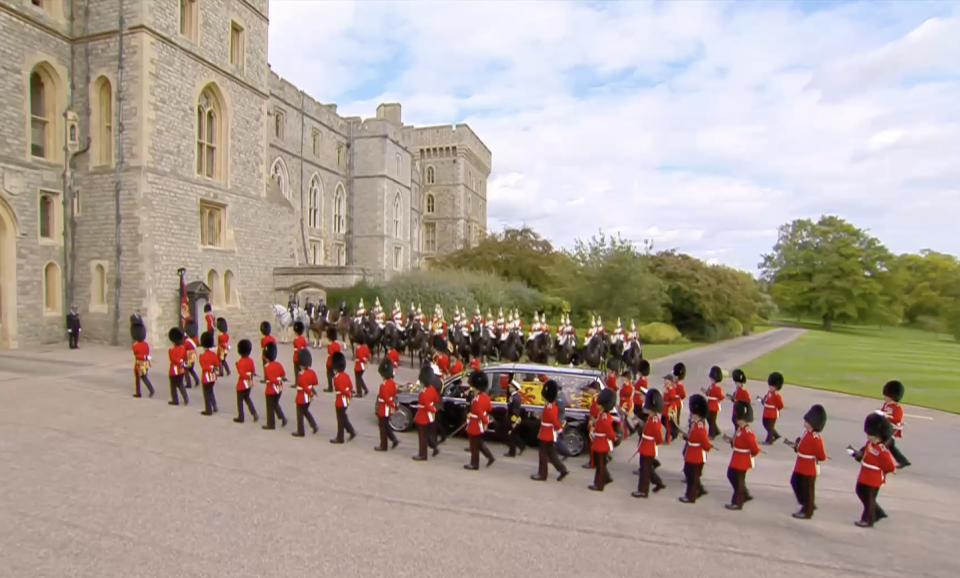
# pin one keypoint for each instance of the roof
(540, 368)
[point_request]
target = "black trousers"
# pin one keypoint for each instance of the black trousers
(361, 385)
(478, 446)
(871, 509)
(897, 454)
(209, 398)
(243, 397)
(601, 475)
(177, 390)
(770, 424)
(224, 366)
(648, 473)
(428, 437)
(738, 481)
(296, 369)
(191, 378)
(329, 379)
(386, 432)
(693, 472)
(73, 338)
(343, 424)
(510, 433)
(303, 411)
(145, 381)
(804, 488)
(548, 453)
(713, 428)
(274, 411)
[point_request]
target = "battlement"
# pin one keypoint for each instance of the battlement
(288, 92)
(450, 135)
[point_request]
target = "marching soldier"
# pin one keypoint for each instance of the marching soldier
(593, 390)
(141, 358)
(550, 430)
(772, 404)
(602, 439)
(73, 327)
(190, 345)
(332, 349)
(626, 400)
(714, 395)
(209, 370)
(680, 373)
(740, 392)
(876, 462)
(208, 317)
(650, 440)
(299, 342)
(427, 403)
(695, 452)
(223, 345)
(265, 330)
(394, 356)
(274, 375)
(440, 357)
(246, 369)
(344, 389)
(178, 359)
(362, 356)
(386, 403)
(514, 419)
(640, 389)
(892, 410)
(306, 381)
(613, 368)
(478, 419)
(810, 452)
(671, 400)
(745, 449)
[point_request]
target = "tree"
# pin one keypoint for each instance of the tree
(830, 270)
(930, 284)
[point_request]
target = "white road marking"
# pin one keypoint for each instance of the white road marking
(918, 416)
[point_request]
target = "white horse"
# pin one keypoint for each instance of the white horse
(284, 320)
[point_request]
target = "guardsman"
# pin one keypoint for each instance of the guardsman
(772, 404)
(602, 439)
(876, 462)
(332, 348)
(670, 401)
(593, 390)
(426, 416)
(550, 430)
(209, 370)
(274, 375)
(386, 403)
(208, 317)
(474, 364)
(626, 399)
(640, 389)
(141, 358)
(650, 439)
(592, 330)
(344, 389)
(478, 419)
(420, 317)
(745, 449)
(892, 410)
(561, 330)
(513, 421)
(306, 382)
(680, 373)
(810, 452)
(695, 452)
(266, 338)
(740, 382)
(246, 369)
(489, 323)
(457, 319)
(456, 366)
(440, 357)
(441, 328)
(714, 395)
(223, 345)
(178, 359)
(613, 369)
(309, 307)
(518, 321)
(362, 357)
(299, 342)
(190, 345)
(394, 356)
(633, 333)
(73, 327)
(397, 316)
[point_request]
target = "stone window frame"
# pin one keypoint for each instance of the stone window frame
(316, 142)
(210, 104)
(426, 237)
(237, 46)
(339, 213)
(340, 254)
(99, 269)
(280, 175)
(397, 214)
(51, 8)
(215, 283)
(341, 157)
(205, 207)
(52, 290)
(315, 246)
(279, 123)
(399, 165)
(430, 175)
(77, 203)
(430, 204)
(55, 217)
(102, 121)
(397, 258)
(52, 103)
(315, 205)
(189, 24)
(231, 297)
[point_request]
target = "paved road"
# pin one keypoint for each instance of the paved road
(95, 483)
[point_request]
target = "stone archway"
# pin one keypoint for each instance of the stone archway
(8, 278)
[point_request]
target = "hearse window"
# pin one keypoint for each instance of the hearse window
(574, 385)
(499, 382)
(454, 388)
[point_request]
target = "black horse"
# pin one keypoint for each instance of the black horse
(512, 347)
(595, 351)
(417, 342)
(392, 337)
(538, 348)
(631, 355)
(565, 352)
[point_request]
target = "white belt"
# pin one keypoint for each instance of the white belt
(871, 466)
(692, 445)
(474, 416)
(714, 399)
(599, 435)
(380, 399)
(805, 456)
(741, 451)
(770, 406)
(646, 437)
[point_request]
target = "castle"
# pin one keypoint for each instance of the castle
(123, 163)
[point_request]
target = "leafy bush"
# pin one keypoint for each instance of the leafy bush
(733, 327)
(657, 333)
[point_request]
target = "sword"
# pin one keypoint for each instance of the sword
(455, 432)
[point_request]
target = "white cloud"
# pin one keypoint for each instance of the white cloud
(704, 125)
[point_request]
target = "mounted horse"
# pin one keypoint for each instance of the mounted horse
(632, 354)
(565, 351)
(392, 336)
(538, 348)
(285, 320)
(511, 348)
(595, 351)
(318, 323)
(482, 342)
(417, 340)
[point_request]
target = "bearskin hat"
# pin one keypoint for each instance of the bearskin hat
(191, 328)
(207, 308)
(698, 405)
(595, 384)
(680, 371)
(776, 380)
(654, 401)
(440, 344)
(613, 364)
(265, 328)
(332, 334)
(221, 325)
(716, 374)
(426, 374)
(743, 411)
(245, 348)
(739, 376)
(816, 416)
(298, 327)
(304, 358)
(894, 390)
(479, 381)
(338, 361)
(206, 340)
(550, 391)
(877, 425)
(175, 335)
(270, 351)
(386, 369)
(607, 399)
(138, 332)
(644, 367)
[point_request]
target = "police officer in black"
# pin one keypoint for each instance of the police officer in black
(513, 421)
(73, 327)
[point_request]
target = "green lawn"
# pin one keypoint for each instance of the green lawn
(859, 360)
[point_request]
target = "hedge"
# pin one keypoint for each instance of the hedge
(660, 333)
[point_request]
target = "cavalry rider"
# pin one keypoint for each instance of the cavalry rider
(618, 332)
(477, 318)
(501, 322)
(488, 322)
(534, 327)
(544, 326)
(518, 320)
(361, 311)
(571, 331)
(396, 316)
(600, 328)
(418, 316)
(593, 328)
(561, 329)
(439, 324)
(378, 313)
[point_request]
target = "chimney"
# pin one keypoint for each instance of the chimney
(390, 112)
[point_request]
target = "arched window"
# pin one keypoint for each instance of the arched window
(213, 282)
(397, 210)
(399, 164)
(51, 288)
(99, 292)
(48, 216)
(43, 113)
(104, 122)
(229, 291)
(278, 172)
(209, 136)
(339, 212)
(315, 217)
(431, 176)
(431, 204)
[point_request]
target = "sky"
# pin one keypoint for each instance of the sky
(702, 126)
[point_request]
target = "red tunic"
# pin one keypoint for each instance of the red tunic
(611, 381)
(475, 364)
(810, 453)
(603, 434)
(745, 448)
(305, 382)
(671, 400)
(894, 414)
(223, 345)
(681, 391)
(772, 404)
(363, 356)
(550, 426)
(265, 340)
(626, 398)
(640, 391)
(456, 368)
(245, 371)
(698, 444)
(190, 346)
(426, 406)
(332, 348)
(741, 394)
(141, 351)
(274, 374)
(386, 398)
(443, 363)
(394, 356)
(714, 397)
(479, 415)
(344, 388)
(877, 463)
(299, 342)
(209, 319)
(651, 437)
(178, 358)
(209, 366)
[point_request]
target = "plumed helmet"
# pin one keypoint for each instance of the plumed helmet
(479, 381)
(654, 401)
(138, 332)
(338, 361)
(716, 374)
(385, 369)
(613, 364)
(426, 374)
(207, 340)
(743, 411)
(877, 425)
(222, 326)
(816, 416)
(644, 367)
(739, 376)
(698, 405)
(680, 371)
(550, 391)
(776, 380)
(298, 327)
(175, 335)
(207, 308)
(245, 348)
(265, 328)
(191, 328)
(305, 358)
(270, 351)
(607, 399)
(440, 344)
(894, 390)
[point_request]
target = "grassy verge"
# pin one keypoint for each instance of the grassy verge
(859, 360)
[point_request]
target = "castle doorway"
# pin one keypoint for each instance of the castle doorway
(8, 279)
